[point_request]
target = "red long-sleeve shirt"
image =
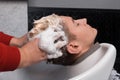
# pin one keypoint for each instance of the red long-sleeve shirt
(9, 55)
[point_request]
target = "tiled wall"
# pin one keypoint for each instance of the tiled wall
(13, 21)
(13, 17)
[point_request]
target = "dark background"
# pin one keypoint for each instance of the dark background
(107, 22)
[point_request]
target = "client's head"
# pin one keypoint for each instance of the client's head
(66, 42)
(51, 33)
(81, 37)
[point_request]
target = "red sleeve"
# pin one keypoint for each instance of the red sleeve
(9, 57)
(4, 38)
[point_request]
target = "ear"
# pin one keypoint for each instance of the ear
(74, 47)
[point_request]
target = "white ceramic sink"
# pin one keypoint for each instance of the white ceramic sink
(97, 66)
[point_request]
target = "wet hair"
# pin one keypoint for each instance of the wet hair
(65, 59)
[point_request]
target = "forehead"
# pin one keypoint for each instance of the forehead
(65, 17)
(67, 21)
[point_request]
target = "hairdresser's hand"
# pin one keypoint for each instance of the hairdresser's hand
(18, 42)
(30, 54)
(59, 39)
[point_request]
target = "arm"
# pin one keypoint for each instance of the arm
(31, 53)
(12, 41)
(12, 57)
(4, 38)
(18, 42)
(9, 57)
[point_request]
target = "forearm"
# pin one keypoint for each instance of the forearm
(18, 42)
(4, 38)
(9, 57)
(13, 41)
(12, 57)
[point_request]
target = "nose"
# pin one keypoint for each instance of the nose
(82, 21)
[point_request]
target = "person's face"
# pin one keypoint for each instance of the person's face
(80, 34)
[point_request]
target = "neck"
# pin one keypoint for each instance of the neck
(82, 52)
(88, 52)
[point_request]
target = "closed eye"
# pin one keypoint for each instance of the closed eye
(76, 23)
(73, 20)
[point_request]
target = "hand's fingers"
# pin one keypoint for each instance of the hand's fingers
(36, 40)
(58, 54)
(60, 44)
(44, 56)
(58, 35)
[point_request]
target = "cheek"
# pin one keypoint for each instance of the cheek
(90, 35)
(84, 35)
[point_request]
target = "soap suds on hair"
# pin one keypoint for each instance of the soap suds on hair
(51, 33)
